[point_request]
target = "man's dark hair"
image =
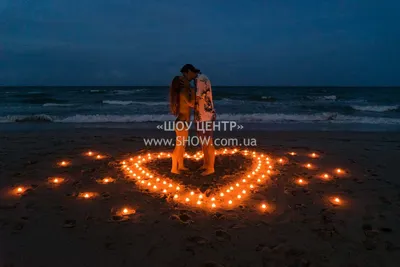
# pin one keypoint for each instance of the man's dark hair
(187, 67)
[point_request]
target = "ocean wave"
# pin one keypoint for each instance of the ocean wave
(375, 108)
(324, 98)
(119, 102)
(128, 92)
(116, 118)
(57, 105)
(240, 118)
(95, 91)
(27, 118)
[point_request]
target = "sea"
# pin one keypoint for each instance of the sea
(268, 108)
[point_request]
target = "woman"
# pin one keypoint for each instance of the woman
(181, 100)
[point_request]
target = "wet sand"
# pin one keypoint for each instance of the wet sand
(50, 226)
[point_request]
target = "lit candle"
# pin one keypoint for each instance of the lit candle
(339, 171)
(63, 163)
(263, 206)
(20, 190)
(230, 202)
(90, 153)
(213, 205)
(292, 153)
(126, 211)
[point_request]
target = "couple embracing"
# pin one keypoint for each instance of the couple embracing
(184, 98)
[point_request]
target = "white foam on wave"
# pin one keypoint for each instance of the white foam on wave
(128, 92)
(116, 118)
(325, 97)
(119, 102)
(375, 108)
(57, 105)
(27, 118)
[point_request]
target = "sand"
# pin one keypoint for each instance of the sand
(50, 226)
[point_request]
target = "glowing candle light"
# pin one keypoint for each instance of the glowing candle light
(198, 202)
(99, 157)
(213, 199)
(90, 153)
(20, 190)
(251, 186)
(187, 199)
(292, 153)
(231, 188)
(239, 196)
(213, 205)
(339, 171)
(244, 192)
(63, 163)
(263, 206)
(178, 188)
(313, 155)
(165, 191)
(192, 193)
(200, 196)
(230, 202)
(126, 211)
(222, 194)
(237, 184)
(280, 160)
(244, 180)
(228, 191)
(301, 181)
(175, 196)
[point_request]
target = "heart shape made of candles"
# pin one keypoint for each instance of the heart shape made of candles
(226, 197)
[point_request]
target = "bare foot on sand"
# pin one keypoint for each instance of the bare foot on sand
(175, 171)
(207, 172)
(203, 168)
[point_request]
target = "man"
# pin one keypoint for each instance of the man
(204, 115)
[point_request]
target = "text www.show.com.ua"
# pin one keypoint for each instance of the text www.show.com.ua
(196, 141)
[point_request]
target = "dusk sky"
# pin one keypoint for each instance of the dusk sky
(253, 42)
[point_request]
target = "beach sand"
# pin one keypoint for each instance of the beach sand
(49, 226)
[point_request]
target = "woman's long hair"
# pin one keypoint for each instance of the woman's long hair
(174, 91)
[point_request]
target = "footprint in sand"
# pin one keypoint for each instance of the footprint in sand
(69, 223)
(222, 235)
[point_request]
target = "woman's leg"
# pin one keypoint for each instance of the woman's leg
(183, 139)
